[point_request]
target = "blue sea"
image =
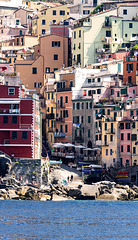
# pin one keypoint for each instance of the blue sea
(68, 220)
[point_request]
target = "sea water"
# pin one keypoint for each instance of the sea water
(68, 220)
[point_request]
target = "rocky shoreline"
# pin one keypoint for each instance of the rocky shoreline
(104, 190)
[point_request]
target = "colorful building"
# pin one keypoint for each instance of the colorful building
(19, 123)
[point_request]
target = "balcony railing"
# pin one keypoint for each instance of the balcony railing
(79, 139)
(26, 126)
(50, 116)
(64, 89)
(59, 135)
(60, 119)
(11, 111)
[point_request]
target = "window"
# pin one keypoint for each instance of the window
(111, 138)
(66, 99)
(55, 43)
(129, 67)
(71, 83)
(105, 126)
(81, 119)
(134, 150)
(89, 119)
(121, 148)
(86, 105)
(43, 21)
(24, 135)
(78, 106)
(128, 148)
(127, 125)
(17, 22)
(96, 137)
(130, 25)
(108, 33)
(37, 84)
(66, 128)
(86, 12)
(47, 70)
(134, 137)
(124, 11)
(99, 80)
(133, 91)
(79, 47)
(90, 105)
(34, 70)
(74, 34)
(73, 106)
(74, 47)
(62, 12)
(112, 91)
(54, 12)
(126, 35)
(55, 69)
(98, 91)
(43, 31)
(89, 80)
(55, 56)
(54, 21)
(111, 151)
(121, 125)
(14, 135)
(82, 105)
(61, 128)
(89, 133)
(116, 39)
(79, 33)
(11, 91)
(106, 152)
(129, 79)
(128, 136)
(131, 113)
(108, 111)
(14, 119)
(5, 119)
(122, 136)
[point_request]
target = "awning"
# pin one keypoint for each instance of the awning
(10, 102)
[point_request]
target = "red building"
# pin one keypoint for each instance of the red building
(130, 68)
(19, 122)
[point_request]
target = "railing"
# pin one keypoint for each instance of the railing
(50, 129)
(60, 120)
(6, 141)
(79, 139)
(7, 111)
(60, 105)
(63, 89)
(50, 116)
(59, 134)
(26, 126)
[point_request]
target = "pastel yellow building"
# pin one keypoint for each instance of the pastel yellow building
(50, 111)
(41, 22)
(27, 3)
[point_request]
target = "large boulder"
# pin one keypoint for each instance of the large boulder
(3, 194)
(120, 194)
(74, 192)
(21, 191)
(106, 197)
(11, 194)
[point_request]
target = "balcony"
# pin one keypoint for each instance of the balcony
(110, 131)
(60, 119)
(79, 139)
(26, 126)
(11, 111)
(51, 129)
(60, 105)
(64, 89)
(59, 135)
(105, 144)
(107, 25)
(50, 116)
(130, 59)
(87, 24)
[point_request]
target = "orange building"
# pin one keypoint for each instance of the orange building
(130, 69)
(64, 108)
(54, 48)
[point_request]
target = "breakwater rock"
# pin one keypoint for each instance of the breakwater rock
(104, 190)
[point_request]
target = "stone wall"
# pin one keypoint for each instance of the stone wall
(33, 171)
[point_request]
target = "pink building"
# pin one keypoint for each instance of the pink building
(125, 142)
